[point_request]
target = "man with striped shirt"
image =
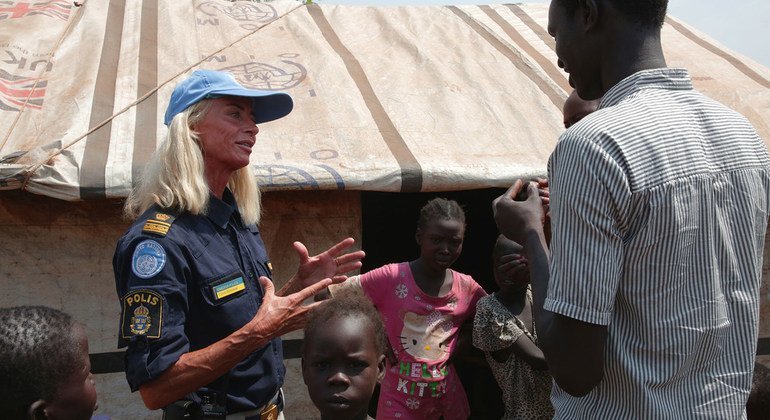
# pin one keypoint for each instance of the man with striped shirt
(647, 302)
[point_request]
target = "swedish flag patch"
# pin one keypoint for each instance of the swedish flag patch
(226, 287)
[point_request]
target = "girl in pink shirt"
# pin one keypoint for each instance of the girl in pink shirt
(423, 303)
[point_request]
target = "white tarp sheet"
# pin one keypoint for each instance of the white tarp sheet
(423, 98)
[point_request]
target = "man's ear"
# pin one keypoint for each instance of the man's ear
(418, 236)
(381, 368)
(590, 12)
(36, 410)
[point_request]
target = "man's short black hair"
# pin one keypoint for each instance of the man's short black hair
(646, 13)
(38, 352)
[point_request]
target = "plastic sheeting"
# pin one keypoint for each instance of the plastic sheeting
(431, 98)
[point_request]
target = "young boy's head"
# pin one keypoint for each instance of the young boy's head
(45, 371)
(343, 355)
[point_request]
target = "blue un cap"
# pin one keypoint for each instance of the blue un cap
(202, 84)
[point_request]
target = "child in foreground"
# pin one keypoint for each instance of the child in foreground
(504, 329)
(45, 371)
(343, 355)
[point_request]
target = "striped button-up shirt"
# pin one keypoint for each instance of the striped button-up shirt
(659, 210)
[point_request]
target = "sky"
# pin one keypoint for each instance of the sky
(741, 25)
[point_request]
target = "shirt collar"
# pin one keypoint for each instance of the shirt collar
(220, 210)
(663, 78)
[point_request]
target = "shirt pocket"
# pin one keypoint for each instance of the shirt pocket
(219, 290)
(258, 254)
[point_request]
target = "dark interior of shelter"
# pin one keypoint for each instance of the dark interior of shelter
(388, 228)
(390, 220)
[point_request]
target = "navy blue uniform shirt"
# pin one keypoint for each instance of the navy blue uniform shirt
(186, 282)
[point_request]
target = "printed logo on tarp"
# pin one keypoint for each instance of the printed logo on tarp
(282, 177)
(19, 68)
(58, 9)
(250, 15)
(16, 90)
(282, 75)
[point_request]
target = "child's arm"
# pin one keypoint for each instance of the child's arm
(523, 348)
(492, 334)
(527, 351)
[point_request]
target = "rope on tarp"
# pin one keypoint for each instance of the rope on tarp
(34, 167)
(76, 16)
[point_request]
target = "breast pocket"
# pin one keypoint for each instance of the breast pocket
(258, 253)
(220, 290)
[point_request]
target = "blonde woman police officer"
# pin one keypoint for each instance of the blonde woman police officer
(200, 319)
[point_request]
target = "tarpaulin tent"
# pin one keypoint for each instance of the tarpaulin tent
(387, 98)
(394, 99)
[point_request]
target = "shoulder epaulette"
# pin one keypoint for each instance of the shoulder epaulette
(159, 223)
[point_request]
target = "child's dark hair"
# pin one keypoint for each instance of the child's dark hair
(38, 352)
(440, 209)
(347, 302)
(503, 246)
(758, 405)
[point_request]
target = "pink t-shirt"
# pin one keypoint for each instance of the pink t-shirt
(422, 331)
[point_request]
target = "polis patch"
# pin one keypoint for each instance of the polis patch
(148, 259)
(142, 314)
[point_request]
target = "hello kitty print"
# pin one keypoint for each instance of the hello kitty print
(422, 330)
(426, 336)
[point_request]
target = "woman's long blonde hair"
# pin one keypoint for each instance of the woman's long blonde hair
(174, 177)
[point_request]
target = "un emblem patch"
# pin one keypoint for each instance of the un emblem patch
(148, 259)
